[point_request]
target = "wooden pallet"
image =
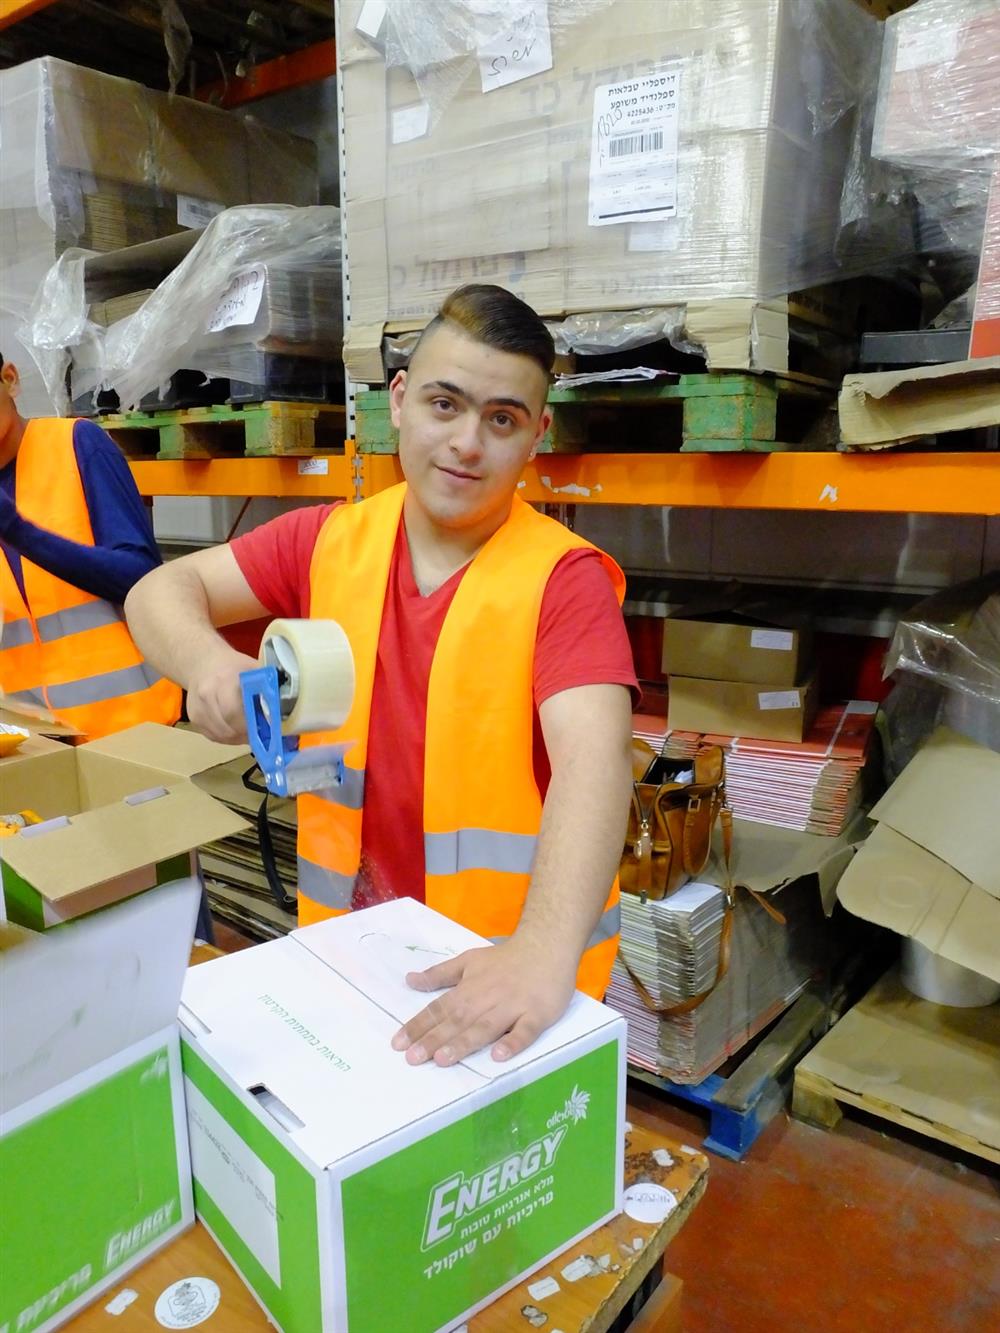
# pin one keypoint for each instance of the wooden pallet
(925, 1067)
(262, 430)
(713, 412)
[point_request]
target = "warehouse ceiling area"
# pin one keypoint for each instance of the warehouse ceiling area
(185, 44)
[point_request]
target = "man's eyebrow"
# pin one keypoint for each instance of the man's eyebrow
(467, 398)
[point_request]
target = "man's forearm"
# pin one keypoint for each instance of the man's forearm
(579, 848)
(169, 618)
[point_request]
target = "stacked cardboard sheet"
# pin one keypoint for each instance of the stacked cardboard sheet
(814, 786)
(672, 947)
(237, 886)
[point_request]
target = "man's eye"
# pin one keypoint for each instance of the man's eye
(503, 420)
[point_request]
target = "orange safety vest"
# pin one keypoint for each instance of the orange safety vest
(62, 648)
(482, 807)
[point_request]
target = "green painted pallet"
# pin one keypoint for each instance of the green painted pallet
(263, 430)
(712, 412)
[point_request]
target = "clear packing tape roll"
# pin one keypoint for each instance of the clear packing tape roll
(316, 671)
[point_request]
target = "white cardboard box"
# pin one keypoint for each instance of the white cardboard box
(356, 1193)
(102, 900)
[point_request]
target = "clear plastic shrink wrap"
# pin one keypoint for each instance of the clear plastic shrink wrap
(945, 657)
(98, 162)
(482, 145)
(937, 118)
(261, 279)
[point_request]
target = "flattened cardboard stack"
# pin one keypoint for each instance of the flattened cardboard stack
(238, 891)
(814, 786)
(672, 947)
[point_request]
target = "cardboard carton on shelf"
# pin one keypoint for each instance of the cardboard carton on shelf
(738, 708)
(730, 646)
(92, 1123)
(346, 1185)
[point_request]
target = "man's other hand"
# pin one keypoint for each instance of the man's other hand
(506, 995)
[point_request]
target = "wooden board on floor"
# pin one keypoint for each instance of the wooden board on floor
(622, 1254)
(927, 1067)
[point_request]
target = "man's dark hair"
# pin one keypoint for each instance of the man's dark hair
(497, 318)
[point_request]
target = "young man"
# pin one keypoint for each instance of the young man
(74, 538)
(492, 709)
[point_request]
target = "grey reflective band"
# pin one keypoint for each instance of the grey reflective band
(96, 689)
(326, 887)
(35, 696)
(479, 849)
(350, 795)
(606, 929)
(77, 619)
(16, 633)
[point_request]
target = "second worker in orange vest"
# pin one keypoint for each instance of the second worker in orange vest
(74, 537)
(538, 875)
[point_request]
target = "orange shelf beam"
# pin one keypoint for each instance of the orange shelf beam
(12, 11)
(273, 76)
(245, 477)
(931, 483)
(900, 483)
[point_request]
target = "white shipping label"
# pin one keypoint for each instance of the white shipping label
(192, 212)
(410, 122)
(926, 44)
(371, 18)
(236, 1179)
(771, 700)
(633, 150)
(314, 467)
(780, 640)
(518, 50)
(240, 301)
(546, 1286)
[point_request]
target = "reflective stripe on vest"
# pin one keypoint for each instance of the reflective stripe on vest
(96, 689)
(606, 929)
(351, 792)
(325, 887)
(479, 849)
(16, 633)
(77, 619)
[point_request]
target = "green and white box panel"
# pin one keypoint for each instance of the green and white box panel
(94, 1178)
(356, 1193)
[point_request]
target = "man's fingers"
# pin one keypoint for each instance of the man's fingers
(526, 1030)
(438, 977)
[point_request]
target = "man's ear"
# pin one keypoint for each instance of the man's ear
(397, 391)
(10, 377)
(544, 422)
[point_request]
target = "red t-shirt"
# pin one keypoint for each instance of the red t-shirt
(581, 641)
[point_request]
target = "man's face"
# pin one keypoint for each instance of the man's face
(469, 418)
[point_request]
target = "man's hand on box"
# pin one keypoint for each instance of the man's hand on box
(506, 995)
(215, 700)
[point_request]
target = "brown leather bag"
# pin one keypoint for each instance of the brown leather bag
(669, 837)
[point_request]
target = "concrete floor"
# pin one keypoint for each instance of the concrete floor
(851, 1231)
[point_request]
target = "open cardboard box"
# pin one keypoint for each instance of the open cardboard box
(356, 1193)
(931, 869)
(93, 1141)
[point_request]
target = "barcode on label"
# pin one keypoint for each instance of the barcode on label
(627, 145)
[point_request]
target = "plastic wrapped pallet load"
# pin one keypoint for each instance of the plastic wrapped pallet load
(100, 162)
(637, 154)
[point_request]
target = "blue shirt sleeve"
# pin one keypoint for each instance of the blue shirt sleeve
(124, 547)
